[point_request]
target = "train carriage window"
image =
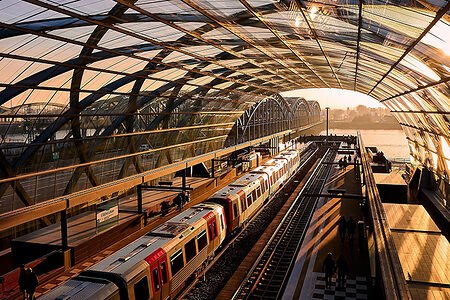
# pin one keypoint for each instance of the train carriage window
(235, 210)
(190, 250)
(211, 237)
(202, 240)
(176, 261)
(156, 283)
(221, 222)
(249, 200)
(214, 227)
(163, 273)
(141, 289)
(254, 195)
(263, 187)
(258, 191)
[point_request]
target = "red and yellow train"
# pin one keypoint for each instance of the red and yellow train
(157, 265)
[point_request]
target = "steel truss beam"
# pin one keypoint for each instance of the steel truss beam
(197, 35)
(105, 26)
(419, 88)
(228, 28)
(70, 41)
(301, 6)
(360, 7)
(426, 130)
(260, 17)
(438, 16)
(420, 112)
(427, 148)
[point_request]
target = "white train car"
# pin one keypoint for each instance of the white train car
(155, 266)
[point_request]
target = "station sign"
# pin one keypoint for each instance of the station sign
(107, 214)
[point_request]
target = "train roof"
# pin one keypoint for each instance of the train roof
(225, 192)
(276, 163)
(264, 168)
(286, 154)
(248, 179)
(79, 290)
(182, 221)
(121, 261)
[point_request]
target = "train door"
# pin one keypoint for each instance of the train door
(223, 225)
(160, 278)
(212, 230)
(156, 280)
(164, 272)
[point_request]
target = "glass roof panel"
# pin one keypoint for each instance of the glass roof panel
(254, 47)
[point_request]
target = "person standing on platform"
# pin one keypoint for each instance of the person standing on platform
(164, 208)
(31, 282)
(351, 227)
(342, 228)
(179, 200)
(342, 270)
(22, 278)
(328, 267)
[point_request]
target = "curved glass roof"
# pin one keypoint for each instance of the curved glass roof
(84, 74)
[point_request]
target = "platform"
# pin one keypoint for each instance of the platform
(151, 200)
(393, 178)
(423, 250)
(306, 280)
(83, 238)
(409, 217)
(391, 186)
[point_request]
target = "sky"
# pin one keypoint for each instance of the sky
(335, 98)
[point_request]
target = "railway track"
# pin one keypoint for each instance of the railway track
(268, 276)
(304, 160)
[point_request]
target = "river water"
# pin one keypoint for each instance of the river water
(392, 142)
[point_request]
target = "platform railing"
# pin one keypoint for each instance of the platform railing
(60, 204)
(390, 270)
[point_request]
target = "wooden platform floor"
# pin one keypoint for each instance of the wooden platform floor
(423, 250)
(413, 217)
(80, 229)
(394, 177)
(151, 200)
(420, 291)
(424, 257)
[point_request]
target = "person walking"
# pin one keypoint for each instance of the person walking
(22, 278)
(31, 282)
(342, 270)
(328, 268)
(342, 228)
(351, 227)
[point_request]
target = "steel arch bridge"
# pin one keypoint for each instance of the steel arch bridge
(272, 115)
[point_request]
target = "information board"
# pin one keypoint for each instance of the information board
(107, 214)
